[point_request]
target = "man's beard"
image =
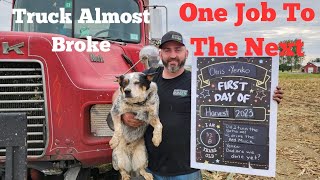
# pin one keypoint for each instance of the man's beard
(174, 69)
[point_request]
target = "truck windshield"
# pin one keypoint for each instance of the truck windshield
(127, 32)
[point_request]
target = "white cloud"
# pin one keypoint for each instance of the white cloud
(5, 16)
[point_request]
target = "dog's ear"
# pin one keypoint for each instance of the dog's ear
(150, 76)
(119, 79)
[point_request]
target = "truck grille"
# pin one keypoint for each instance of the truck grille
(22, 90)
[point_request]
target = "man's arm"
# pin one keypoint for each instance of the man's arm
(127, 118)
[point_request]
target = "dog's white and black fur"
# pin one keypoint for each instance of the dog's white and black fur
(137, 94)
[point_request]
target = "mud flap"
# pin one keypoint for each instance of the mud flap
(13, 136)
(72, 173)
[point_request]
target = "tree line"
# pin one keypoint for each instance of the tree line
(289, 63)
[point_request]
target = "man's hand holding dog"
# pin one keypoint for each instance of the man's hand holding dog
(129, 120)
(278, 94)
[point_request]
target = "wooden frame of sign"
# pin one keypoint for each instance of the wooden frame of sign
(234, 118)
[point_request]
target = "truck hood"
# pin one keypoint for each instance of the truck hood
(86, 70)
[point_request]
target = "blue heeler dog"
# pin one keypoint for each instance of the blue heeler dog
(137, 94)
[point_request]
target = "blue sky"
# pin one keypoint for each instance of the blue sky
(225, 32)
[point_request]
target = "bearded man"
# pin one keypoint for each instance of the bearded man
(171, 160)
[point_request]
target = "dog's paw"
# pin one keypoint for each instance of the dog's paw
(125, 177)
(114, 142)
(156, 139)
(148, 176)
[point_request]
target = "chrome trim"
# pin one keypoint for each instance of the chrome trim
(35, 141)
(17, 69)
(21, 109)
(19, 85)
(34, 133)
(20, 77)
(45, 101)
(36, 117)
(21, 101)
(35, 125)
(20, 93)
(29, 149)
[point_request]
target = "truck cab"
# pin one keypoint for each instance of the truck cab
(67, 95)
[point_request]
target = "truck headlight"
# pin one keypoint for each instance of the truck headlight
(98, 116)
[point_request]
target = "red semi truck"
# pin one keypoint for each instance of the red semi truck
(67, 95)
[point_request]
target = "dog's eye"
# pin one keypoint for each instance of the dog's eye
(137, 82)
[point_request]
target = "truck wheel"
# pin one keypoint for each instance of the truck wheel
(84, 174)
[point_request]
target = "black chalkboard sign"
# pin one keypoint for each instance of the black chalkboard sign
(233, 115)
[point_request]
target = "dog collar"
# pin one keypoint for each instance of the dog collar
(142, 103)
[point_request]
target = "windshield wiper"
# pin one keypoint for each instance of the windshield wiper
(107, 38)
(95, 38)
(129, 62)
(116, 39)
(120, 40)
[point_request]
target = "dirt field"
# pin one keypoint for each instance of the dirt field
(298, 133)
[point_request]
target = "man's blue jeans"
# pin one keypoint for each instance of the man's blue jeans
(193, 176)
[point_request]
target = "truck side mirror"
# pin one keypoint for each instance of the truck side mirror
(156, 28)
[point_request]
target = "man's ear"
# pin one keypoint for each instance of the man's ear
(187, 53)
(150, 76)
(160, 54)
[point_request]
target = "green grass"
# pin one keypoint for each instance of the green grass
(289, 75)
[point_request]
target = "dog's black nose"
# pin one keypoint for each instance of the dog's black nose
(127, 92)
